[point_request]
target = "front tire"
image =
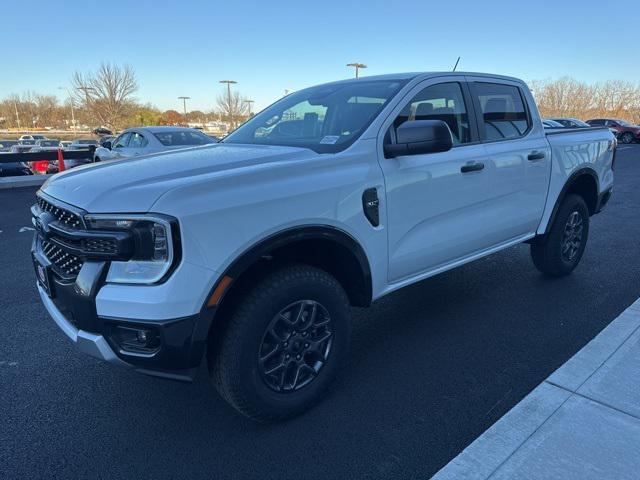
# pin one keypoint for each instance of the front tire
(558, 252)
(283, 344)
(627, 137)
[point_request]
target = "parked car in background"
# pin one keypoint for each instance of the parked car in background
(32, 137)
(146, 140)
(252, 251)
(30, 142)
(101, 131)
(5, 145)
(546, 123)
(12, 168)
(22, 147)
(570, 122)
(46, 145)
(44, 166)
(82, 144)
(626, 132)
(65, 144)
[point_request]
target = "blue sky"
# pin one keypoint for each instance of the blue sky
(184, 48)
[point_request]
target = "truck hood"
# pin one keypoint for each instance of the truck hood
(133, 185)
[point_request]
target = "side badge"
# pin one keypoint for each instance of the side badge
(370, 206)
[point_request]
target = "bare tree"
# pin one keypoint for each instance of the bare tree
(106, 94)
(232, 108)
(567, 97)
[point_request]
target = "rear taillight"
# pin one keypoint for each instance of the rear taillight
(615, 150)
(41, 166)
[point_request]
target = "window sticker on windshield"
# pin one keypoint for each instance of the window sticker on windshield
(330, 139)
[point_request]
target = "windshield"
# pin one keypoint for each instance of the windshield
(48, 143)
(327, 118)
(182, 138)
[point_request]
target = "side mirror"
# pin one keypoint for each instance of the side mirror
(107, 145)
(416, 137)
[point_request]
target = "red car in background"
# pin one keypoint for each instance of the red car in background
(627, 132)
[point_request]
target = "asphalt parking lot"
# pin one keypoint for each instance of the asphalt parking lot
(432, 367)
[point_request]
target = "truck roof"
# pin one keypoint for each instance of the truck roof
(412, 75)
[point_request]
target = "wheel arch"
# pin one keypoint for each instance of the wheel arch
(583, 182)
(323, 246)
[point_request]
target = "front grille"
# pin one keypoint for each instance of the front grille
(64, 263)
(70, 219)
(100, 245)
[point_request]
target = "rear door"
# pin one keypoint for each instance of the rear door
(434, 201)
(518, 154)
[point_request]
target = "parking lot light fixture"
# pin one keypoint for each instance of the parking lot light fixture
(248, 102)
(184, 106)
(357, 66)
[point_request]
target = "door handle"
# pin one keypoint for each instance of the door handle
(535, 155)
(472, 167)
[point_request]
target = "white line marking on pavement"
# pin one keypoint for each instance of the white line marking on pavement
(26, 229)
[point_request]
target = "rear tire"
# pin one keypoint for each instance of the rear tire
(283, 344)
(559, 251)
(627, 137)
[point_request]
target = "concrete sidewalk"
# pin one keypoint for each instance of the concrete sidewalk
(583, 422)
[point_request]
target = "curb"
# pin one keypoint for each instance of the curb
(492, 453)
(23, 181)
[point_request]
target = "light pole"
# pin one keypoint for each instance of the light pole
(184, 106)
(229, 82)
(357, 66)
(86, 91)
(15, 106)
(249, 102)
(73, 115)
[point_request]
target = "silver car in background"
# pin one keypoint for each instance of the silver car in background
(147, 140)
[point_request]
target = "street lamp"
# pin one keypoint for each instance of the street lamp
(229, 82)
(73, 115)
(86, 91)
(249, 102)
(357, 66)
(15, 105)
(184, 106)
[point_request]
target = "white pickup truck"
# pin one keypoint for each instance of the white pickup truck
(250, 252)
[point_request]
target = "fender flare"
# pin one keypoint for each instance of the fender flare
(567, 185)
(289, 236)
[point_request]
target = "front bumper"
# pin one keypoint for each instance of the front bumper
(77, 285)
(89, 343)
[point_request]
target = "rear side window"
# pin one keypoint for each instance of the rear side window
(596, 122)
(504, 115)
(183, 138)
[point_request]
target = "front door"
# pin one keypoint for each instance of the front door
(435, 202)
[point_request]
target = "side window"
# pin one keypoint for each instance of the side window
(122, 140)
(503, 112)
(444, 102)
(137, 140)
(611, 123)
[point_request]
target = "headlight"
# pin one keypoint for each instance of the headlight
(154, 250)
